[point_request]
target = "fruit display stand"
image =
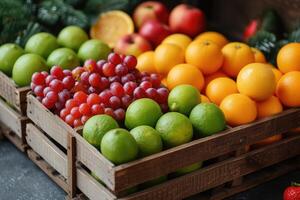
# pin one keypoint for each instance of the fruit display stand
(13, 111)
(226, 160)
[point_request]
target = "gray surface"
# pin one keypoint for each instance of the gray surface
(25, 181)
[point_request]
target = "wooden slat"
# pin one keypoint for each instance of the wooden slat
(13, 138)
(220, 173)
(47, 150)
(12, 119)
(71, 155)
(14, 95)
(92, 188)
(49, 170)
(136, 172)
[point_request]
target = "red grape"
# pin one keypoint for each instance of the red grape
(127, 78)
(49, 79)
(114, 79)
(126, 101)
(144, 74)
(93, 99)
(59, 106)
(46, 90)
(104, 83)
(64, 95)
(38, 91)
(146, 78)
(109, 111)
(97, 109)
(52, 96)
(71, 103)
(90, 65)
(95, 80)
(56, 85)
(79, 87)
(108, 69)
(92, 90)
(155, 80)
(152, 94)
(45, 74)
(121, 70)
(84, 118)
(63, 113)
(38, 78)
(85, 109)
(77, 123)
(117, 89)
(130, 62)
(39, 98)
(67, 72)
(164, 107)
(99, 66)
(57, 72)
(105, 96)
(75, 112)
(163, 94)
(119, 114)
(145, 85)
(114, 58)
(122, 57)
(69, 119)
(32, 86)
(47, 103)
(84, 78)
(129, 87)
(115, 102)
(76, 73)
(139, 93)
(68, 82)
(80, 97)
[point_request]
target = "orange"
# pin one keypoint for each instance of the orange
(267, 141)
(288, 58)
(238, 109)
(215, 37)
(258, 55)
(206, 55)
(288, 89)
(269, 107)
(236, 56)
(209, 78)
(111, 26)
(179, 39)
(167, 56)
(185, 74)
(219, 88)
(204, 99)
(257, 81)
(146, 62)
(164, 82)
(278, 74)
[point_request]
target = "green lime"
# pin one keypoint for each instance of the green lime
(93, 49)
(188, 169)
(95, 128)
(175, 129)
(72, 37)
(9, 53)
(207, 119)
(148, 140)
(154, 182)
(42, 44)
(25, 66)
(142, 112)
(64, 57)
(183, 99)
(119, 146)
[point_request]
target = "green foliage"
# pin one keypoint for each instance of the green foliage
(294, 36)
(271, 22)
(31, 29)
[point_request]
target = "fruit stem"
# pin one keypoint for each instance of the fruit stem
(295, 184)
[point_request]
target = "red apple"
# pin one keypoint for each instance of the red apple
(187, 19)
(132, 44)
(154, 31)
(150, 10)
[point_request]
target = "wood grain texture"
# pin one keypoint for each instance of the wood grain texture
(47, 150)
(153, 166)
(219, 173)
(13, 138)
(13, 94)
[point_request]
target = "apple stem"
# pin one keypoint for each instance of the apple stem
(149, 7)
(295, 184)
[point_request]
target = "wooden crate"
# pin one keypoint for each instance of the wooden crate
(122, 177)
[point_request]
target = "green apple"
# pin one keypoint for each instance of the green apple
(63, 57)
(9, 53)
(93, 49)
(72, 37)
(25, 66)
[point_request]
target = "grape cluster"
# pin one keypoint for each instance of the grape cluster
(103, 87)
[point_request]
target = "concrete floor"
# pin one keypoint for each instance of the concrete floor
(24, 180)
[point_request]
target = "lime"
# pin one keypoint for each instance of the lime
(119, 146)
(9, 53)
(25, 66)
(95, 128)
(154, 182)
(148, 140)
(72, 37)
(142, 112)
(183, 99)
(175, 129)
(64, 57)
(42, 44)
(188, 169)
(207, 119)
(93, 49)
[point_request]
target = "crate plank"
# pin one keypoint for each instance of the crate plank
(148, 168)
(220, 173)
(15, 139)
(11, 93)
(12, 119)
(47, 150)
